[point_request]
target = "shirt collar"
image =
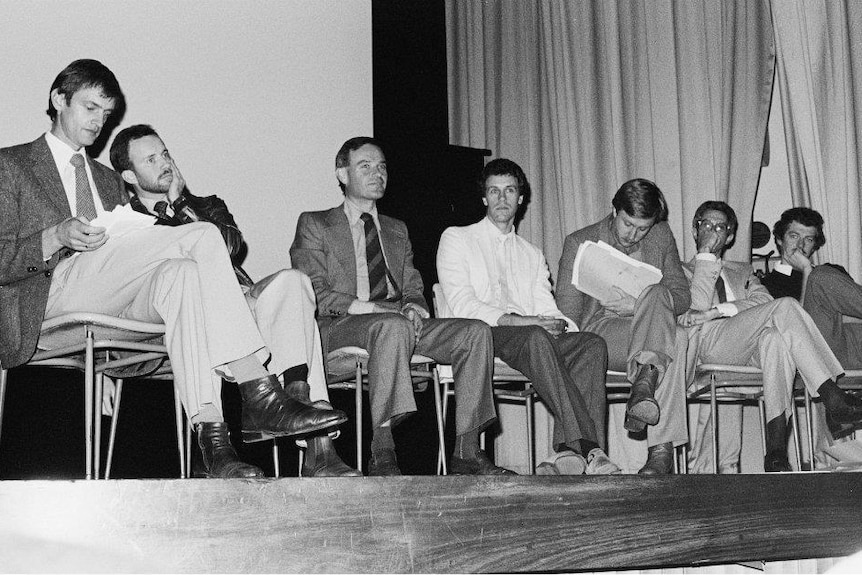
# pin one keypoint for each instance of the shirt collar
(783, 268)
(61, 151)
(353, 212)
(495, 232)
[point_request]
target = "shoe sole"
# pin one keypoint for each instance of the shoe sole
(256, 436)
(641, 414)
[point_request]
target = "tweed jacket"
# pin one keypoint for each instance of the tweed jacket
(702, 275)
(32, 199)
(658, 248)
(323, 250)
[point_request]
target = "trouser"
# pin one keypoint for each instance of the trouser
(568, 372)
(180, 276)
(390, 341)
(830, 295)
(651, 336)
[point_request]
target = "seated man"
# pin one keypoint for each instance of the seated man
(733, 320)
(282, 303)
(53, 262)
(827, 292)
(489, 273)
(641, 334)
(370, 295)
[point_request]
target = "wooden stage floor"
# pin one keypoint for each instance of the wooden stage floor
(425, 524)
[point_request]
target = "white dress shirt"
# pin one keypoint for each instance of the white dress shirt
(62, 154)
(357, 230)
(486, 274)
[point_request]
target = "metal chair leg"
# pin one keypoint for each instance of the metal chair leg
(3, 374)
(115, 416)
(179, 420)
(713, 407)
(89, 399)
(358, 407)
(797, 441)
(531, 459)
(276, 463)
(98, 392)
(809, 427)
(438, 407)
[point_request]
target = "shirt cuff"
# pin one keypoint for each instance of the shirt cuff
(359, 307)
(709, 257)
(727, 309)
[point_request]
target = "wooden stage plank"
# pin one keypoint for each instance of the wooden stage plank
(425, 524)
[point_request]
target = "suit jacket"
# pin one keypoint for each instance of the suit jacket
(702, 275)
(206, 209)
(32, 199)
(658, 248)
(323, 250)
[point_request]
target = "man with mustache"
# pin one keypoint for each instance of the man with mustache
(489, 273)
(53, 261)
(282, 303)
(370, 295)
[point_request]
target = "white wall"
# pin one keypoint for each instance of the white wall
(253, 98)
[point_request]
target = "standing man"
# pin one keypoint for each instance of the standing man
(53, 262)
(370, 295)
(640, 333)
(733, 320)
(282, 303)
(490, 273)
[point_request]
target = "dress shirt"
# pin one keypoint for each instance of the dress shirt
(726, 309)
(783, 268)
(62, 154)
(486, 274)
(357, 230)
(150, 204)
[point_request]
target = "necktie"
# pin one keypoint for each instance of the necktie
(720, 290)
(161, 208)
(84, 205)
(374, 257)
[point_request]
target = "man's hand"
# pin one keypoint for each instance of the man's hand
(797, 259)
(707, 241)
(622, 305)
(692, 318)
(414, 314)
(552, 325)
(77, 234)
(178, 184)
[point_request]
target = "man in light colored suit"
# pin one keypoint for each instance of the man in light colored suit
(733, 320)
(489, 273)
(54, 261)
(283, 303)
(370, 295)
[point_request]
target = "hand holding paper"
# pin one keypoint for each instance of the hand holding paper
(122, 220)
(601, 271)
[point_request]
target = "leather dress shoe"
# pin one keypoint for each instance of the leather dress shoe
(298, 390)
(776, 462)
(659, 460)
(598, 463)
(478, 465)
(321, 460)
(383, 463)
(268, 412)
(642, 408)
(219, 457)
(844, 421)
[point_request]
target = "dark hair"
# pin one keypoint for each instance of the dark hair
(342, 158)
(732, 221)
(504, 167)
(804, 216)
(641, 198)
(85, 74)
(120, 147)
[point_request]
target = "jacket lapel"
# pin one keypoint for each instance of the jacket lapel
(48, 177)
(340, 238)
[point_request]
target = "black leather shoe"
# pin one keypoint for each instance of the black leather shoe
(321, 460)
(479, 465)
(843, 422)
(659, 460)
(776, 462)
(383, 463)
(298, 390)
(642, 408)
(219, 457)
(267, 412)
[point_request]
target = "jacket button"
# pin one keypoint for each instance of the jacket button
(32, 269)
(48, 274)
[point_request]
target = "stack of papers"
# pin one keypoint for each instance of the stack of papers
(122, 220)
(599, 268)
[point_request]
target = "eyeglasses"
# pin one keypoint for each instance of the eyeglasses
(709, 225)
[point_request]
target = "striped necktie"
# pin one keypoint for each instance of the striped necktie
(377, 290)
(84, 204)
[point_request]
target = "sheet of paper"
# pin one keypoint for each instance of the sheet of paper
(123, 220)
(599, 268)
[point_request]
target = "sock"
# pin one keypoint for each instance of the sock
(467, 445)
(587, 446)
(247, 368)
(382, 439)
(831, 395)
(208, 413)
(296, 373)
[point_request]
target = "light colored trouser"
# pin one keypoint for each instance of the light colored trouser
(283, 306)
(651, 336)
(180, 276)
(779, 338)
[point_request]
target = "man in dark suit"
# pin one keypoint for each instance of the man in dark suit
(733, 320)
(283, 303)
(370, 295)
(54, 261)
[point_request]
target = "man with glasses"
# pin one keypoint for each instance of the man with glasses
(733, 320)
